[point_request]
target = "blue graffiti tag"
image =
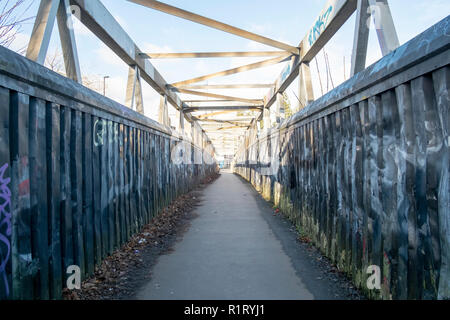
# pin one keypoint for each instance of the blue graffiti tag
(5, 220)
(286, 73)
(319, 26)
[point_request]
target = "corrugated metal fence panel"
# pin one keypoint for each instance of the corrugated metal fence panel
(364, 171)
(79, 175)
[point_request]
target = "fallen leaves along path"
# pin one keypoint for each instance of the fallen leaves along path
(121, 274)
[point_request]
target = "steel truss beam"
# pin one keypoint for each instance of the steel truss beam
(192, 55)
(218, 96)
(384, 24)
(207, 101)
(231, 128)
(134, 99)
(156, 5)
(68, 44)
(48, 11)
(42, 31)
(361, 38)
(223, 120)
(229, 86)
(203, 116)
(214, 108)
(240, 69)
(163, 114)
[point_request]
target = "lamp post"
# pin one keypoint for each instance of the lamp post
(104, 84)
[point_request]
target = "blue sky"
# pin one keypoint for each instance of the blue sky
(284, 20)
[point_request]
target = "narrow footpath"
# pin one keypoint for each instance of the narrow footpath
(238, 249)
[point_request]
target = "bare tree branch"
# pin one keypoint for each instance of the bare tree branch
(12, 18)
(54, 61)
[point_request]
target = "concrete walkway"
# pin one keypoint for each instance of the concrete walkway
(233, 250)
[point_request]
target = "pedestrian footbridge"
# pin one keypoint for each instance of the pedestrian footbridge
(363, 171)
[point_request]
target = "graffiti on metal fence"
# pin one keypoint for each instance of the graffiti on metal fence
(5, 221)
(183, 152)
(319, 26)
(101, 127)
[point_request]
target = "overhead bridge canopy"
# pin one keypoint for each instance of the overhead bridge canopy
(180, 94)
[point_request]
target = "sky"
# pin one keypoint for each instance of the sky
(284, 20)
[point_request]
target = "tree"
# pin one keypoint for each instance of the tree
(93, 82)
(12, 19)
(54, 61)
(286, 106)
